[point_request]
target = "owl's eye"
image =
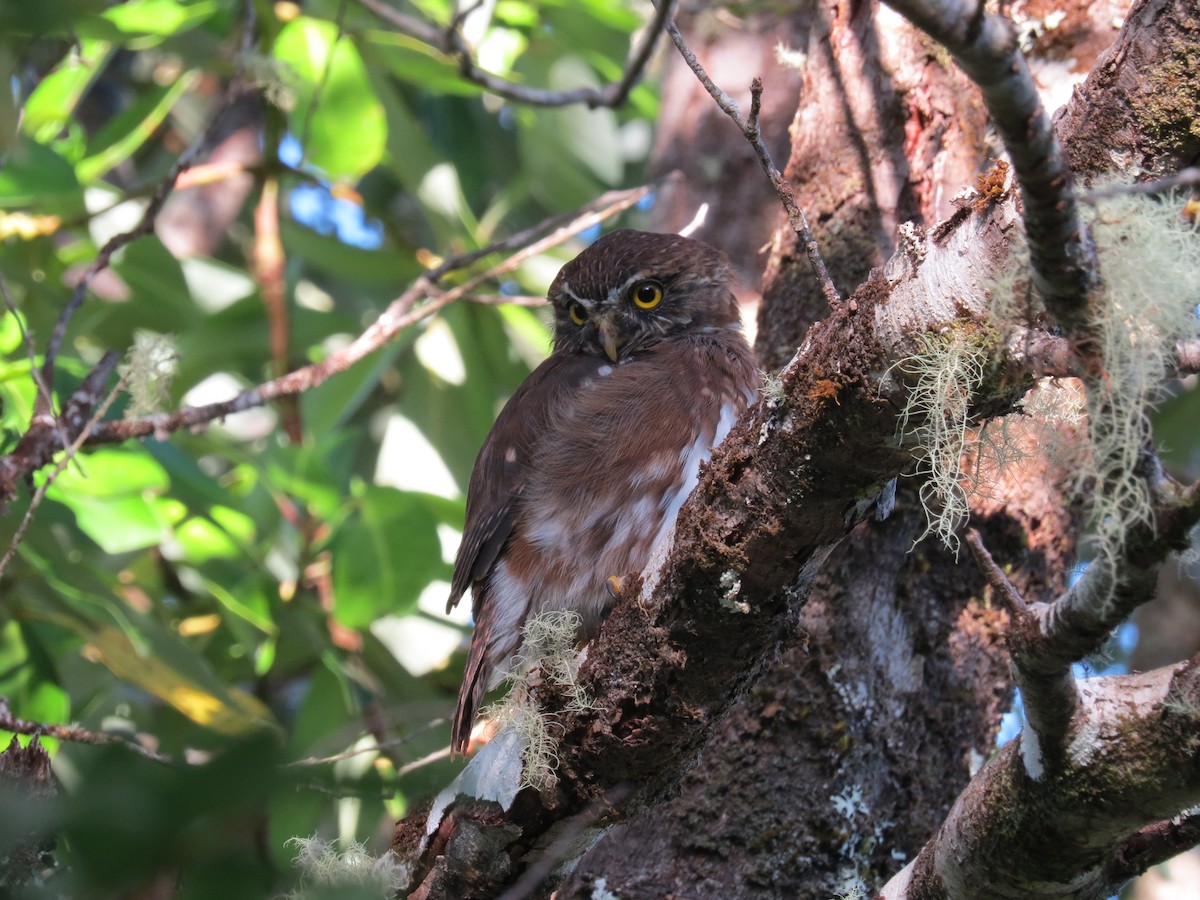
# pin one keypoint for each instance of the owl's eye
(647, 294)
(577, 313)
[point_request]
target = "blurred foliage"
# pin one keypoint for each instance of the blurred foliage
(230, 599)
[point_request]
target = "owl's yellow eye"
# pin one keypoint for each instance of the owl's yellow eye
(577, 313)
(647, 294)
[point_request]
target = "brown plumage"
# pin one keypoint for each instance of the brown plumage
(588, 463)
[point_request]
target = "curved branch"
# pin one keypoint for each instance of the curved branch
(400, 314)
(450, 41)
(1081, 834)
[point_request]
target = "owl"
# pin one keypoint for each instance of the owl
(588, 463)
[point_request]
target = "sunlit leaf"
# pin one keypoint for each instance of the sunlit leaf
(53, 101)
(165, 666)
(336, 113)
(384, 556)
(159, 17)
(122, 136)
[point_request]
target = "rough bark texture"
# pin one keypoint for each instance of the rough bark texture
(1137, 110)
(887, 130)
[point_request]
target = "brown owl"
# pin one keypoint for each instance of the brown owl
(586, 468)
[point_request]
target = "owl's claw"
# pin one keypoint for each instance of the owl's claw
(614, 586)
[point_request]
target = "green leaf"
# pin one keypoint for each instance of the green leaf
(336, 114)
(144, 653)
(34, 174)
(384, 557)
(111, 472)
(52, 103)
(112, 493)
(159, 18)
(122, 136)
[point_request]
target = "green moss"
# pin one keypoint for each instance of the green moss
(1170, 106)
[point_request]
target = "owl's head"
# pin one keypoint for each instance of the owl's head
(630, 289)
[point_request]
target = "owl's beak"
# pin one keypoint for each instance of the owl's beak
(610, 337)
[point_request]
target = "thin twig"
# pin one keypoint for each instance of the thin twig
(376, 747)
(994, 574)
(75, 734)
(400, 314)
(611, 201)
(506, 300)
(38, 495)
(427, 760)
(1189, 177)
(753, 133)
(450, 41)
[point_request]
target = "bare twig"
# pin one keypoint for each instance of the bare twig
(87, 391)
(376, 747)
(1189, 177)
(46, 433)
(752, 132)
(610, 202)
(1061, 253)
(994, 574)
(75, 734)
(450, 41)
(145, 225)
(400, 314)
(506, 300)
(1047, 688)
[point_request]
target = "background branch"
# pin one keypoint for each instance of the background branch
(450, 41)
(750, 130)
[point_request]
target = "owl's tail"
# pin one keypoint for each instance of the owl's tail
(470, 695)
(475, 679)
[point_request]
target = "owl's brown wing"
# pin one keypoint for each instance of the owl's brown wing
(502, 465)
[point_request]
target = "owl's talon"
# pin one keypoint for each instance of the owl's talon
(614, 586)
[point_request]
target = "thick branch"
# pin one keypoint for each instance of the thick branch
(793, 478)
(985, 47)
(1131, 760)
